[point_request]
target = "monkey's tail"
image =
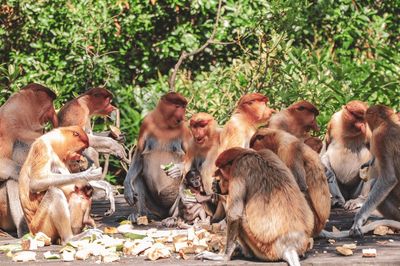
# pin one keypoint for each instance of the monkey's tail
(365, 229)
(291, 257)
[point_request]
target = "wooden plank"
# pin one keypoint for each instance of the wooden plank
(323, 253)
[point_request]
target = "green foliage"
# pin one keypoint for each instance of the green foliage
(328, 52)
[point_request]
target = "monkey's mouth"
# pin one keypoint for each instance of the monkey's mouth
(200, 140)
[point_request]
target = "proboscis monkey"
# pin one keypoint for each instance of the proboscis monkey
(385, 192)
(385, 147)
(45, 182)
(78, 112)
(204, 146)
(163, 139)
(250, 113)
(22, 120)
(298, 119)
(306, 167)
(266, 211)
(345, 150)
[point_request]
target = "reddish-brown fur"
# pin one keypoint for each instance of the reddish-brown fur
(22, 118)
(204, 146)
(50, 153)
(163, 138)
(77, 112)
(265, 209)
(345, 150)
(250, 113)
(314, 143)
(385, 147)
(304, 164)
(298, 119)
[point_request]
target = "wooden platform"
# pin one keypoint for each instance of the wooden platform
(323, 253)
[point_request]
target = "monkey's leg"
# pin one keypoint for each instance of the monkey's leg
(53, 216)
(143, 201)
(104, 185)
(380, 190)
(17, 213)
(337, 197)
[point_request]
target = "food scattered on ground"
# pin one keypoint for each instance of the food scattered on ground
(344, 251)
(351, 246)
(142, 220)
(24, 256)
(120, 241)
(369, 252)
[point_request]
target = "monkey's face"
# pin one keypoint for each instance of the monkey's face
(173, 113)
(305, 114)
(74, 142)
(100, 99)
(259, 110)
(201, 132)
(353, 115)
(195, 181)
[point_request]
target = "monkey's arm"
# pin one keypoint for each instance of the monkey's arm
(337, 197)
(107, 145)
(134, 171)
(381, 189)
(43, 182)
(9, 169)
(234, 214)
(297, 168)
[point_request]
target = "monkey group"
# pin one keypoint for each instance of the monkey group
(263, 173)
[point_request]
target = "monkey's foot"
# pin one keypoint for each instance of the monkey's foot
(354, 203)
(207, 255)
(169, 222)
(110, 211)
(337, 202)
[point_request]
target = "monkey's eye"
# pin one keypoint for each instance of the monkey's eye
(76, 134)
(301, 108)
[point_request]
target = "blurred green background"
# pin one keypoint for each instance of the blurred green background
(328, 52)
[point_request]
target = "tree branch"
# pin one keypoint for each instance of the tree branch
(185, 54)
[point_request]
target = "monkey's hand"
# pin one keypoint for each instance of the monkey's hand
(175, 171)
(356, 229)
(207, 255)
(203, 198)
(108, 145)
(131, 196)
(92, 174)
(354, 203)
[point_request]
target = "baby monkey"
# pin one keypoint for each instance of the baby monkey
(192, 198)
(190, 202)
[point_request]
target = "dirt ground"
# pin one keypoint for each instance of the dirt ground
(323, 252)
